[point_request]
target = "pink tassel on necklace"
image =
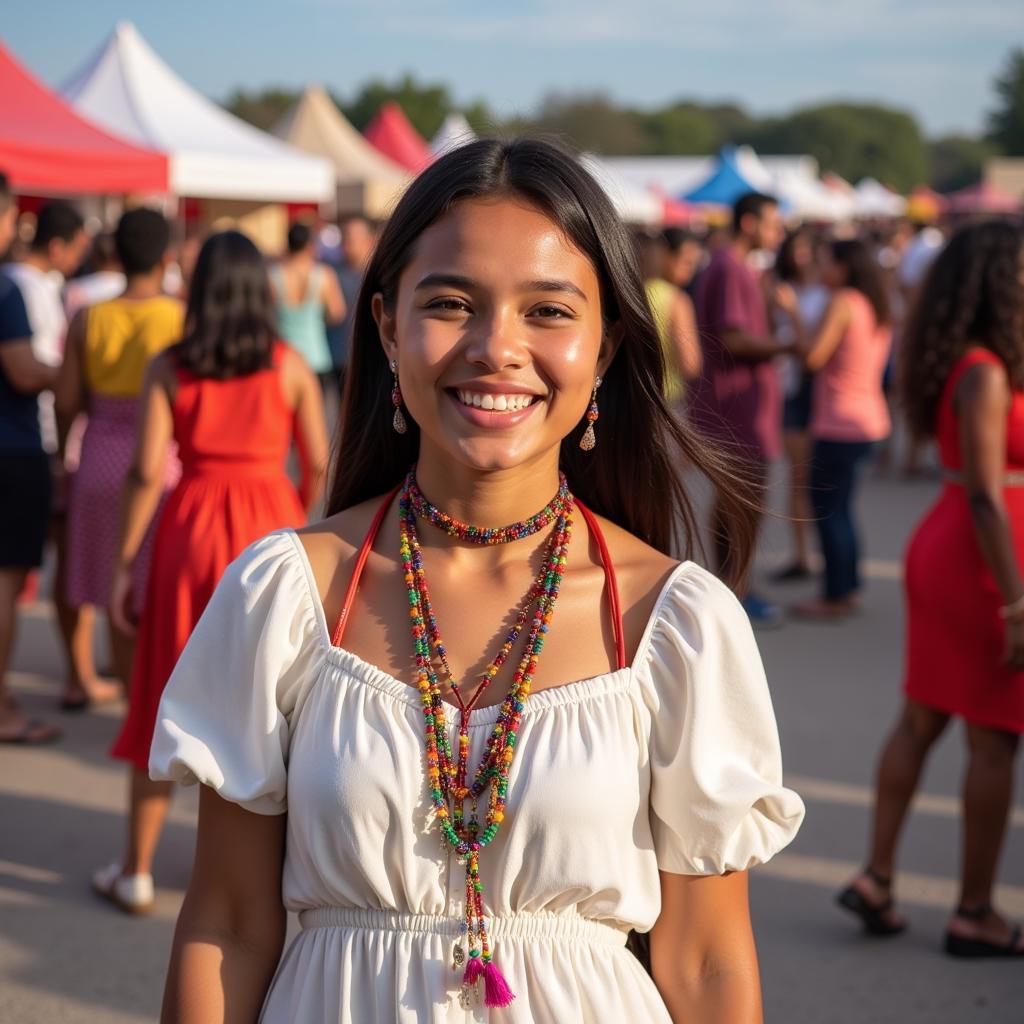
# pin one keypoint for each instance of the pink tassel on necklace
(474, 971)
(496, 990)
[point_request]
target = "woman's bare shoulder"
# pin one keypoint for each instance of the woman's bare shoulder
(331, 546)
(641, 570)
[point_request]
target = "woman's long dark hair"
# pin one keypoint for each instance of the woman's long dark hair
(230, 325)
(633, 477)
(971, 296)
(864, 274)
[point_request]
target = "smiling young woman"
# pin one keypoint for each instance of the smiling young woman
(507, 727)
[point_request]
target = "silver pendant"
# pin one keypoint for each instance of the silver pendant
(458, 956)
(466, 997)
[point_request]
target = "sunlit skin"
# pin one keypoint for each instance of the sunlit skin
(461, 321)
(494, 297)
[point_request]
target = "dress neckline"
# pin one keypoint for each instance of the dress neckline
(571, 692)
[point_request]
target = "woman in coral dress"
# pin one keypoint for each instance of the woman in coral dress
(963, 379)
(233, 396)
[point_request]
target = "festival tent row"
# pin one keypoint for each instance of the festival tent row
(368, 182)
(234, 169)
(48, 149)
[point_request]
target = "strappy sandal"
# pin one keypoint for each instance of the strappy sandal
(977, 949)
(872, 915)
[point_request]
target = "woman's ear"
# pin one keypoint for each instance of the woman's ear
(611, 339)
(385, 326)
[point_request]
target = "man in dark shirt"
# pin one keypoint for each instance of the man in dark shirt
(25, 482)
(738, 401)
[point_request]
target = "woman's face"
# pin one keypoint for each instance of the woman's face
(497, 331)
(833, 273)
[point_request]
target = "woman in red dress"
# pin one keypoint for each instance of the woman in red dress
(963, 381)
(232, 396)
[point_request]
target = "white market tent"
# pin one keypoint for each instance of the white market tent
(454, 132)
(873, 199)
(633, 204)
(678, 175)
(368, 182)
(127, 89)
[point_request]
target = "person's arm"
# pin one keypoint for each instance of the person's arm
(685, 339)
(144, 483)
(69, 390)
(332, 297)
(232, 923)
(304, 395)
(25, 373)
(982, 401)
(703, 958)
(826, 340)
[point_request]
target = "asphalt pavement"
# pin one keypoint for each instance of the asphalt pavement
(65, 957)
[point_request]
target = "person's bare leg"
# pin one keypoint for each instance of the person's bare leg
(83, 682)
(987, 797)
(148, 805)
(122, 651)
(13, 721)
(896, 780)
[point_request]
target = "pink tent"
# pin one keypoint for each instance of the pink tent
(392, 133)
(46, 147)
(982, 198)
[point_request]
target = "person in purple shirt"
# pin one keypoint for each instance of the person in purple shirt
(737, 401)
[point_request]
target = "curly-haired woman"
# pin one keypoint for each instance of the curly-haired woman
(963, 381)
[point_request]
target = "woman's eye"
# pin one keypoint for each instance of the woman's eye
(551, 312)
(449, 305)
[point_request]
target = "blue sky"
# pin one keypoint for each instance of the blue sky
(935, 58)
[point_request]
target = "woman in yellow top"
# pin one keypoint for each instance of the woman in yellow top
(673, 316)
(108, 348)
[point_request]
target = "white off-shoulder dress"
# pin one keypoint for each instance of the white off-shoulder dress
(672, 764)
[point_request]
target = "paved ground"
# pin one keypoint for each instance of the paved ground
(66, 958)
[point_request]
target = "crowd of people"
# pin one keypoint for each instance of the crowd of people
(151, 403)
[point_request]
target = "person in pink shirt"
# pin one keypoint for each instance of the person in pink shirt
(849, 414)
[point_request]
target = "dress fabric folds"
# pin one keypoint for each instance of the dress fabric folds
(670, 764)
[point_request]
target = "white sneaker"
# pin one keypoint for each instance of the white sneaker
(131, 893)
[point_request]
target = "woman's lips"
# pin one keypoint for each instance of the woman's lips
(517, 407)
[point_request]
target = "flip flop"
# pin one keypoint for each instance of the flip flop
(34, 733)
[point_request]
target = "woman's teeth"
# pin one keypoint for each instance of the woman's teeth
(499, 403)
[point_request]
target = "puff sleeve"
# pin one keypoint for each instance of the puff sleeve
(223, 718)
(717, 802)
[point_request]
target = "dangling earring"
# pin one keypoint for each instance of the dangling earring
(589, 438)
(396, 399)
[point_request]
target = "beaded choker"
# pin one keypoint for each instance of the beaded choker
(447, 770)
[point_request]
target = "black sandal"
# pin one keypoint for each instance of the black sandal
(977, 949)
(871, 915)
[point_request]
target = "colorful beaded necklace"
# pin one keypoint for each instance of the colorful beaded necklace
(448, 774)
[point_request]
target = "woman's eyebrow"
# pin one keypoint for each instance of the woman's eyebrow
(553, 286)
(447, 280)
(460, 281)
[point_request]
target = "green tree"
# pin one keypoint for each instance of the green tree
(591, 122)
(956, 161)
(1006, 122)
(426, 105)
(854, 140)
(682, 129)
(264, 108)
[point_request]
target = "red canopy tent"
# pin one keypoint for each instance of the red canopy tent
(46, 147)
(392, 133)
(982, 198)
